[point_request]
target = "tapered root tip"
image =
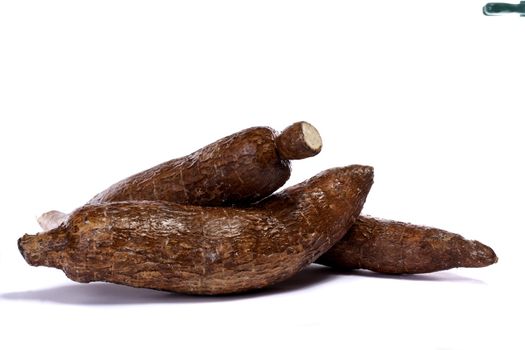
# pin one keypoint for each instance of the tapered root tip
(298, 141)
(480, 255)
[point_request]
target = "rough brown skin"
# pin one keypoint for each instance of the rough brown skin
(393, 247)
(238, 169)
(204, 250)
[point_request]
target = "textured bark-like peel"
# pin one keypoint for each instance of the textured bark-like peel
(238, 169)
(393, 247)
(204, 250)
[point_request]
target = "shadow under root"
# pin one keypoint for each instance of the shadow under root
(101, 293)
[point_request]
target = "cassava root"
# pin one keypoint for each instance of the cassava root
(392, 247)
(204, 250)
(238, 169)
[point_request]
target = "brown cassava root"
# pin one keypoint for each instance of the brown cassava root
(238, 169)
(204, 250)
(393, 247)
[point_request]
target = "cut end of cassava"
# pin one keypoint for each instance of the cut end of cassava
(312, 138)
(298, 141)
(52, 219)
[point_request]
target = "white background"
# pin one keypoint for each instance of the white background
(428, 92)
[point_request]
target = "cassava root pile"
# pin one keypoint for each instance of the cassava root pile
(197, 224)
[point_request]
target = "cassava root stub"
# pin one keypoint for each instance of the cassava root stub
(204, 250)
(393, 247)
(238, 169)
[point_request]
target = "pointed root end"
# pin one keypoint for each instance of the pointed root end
(480, 255)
